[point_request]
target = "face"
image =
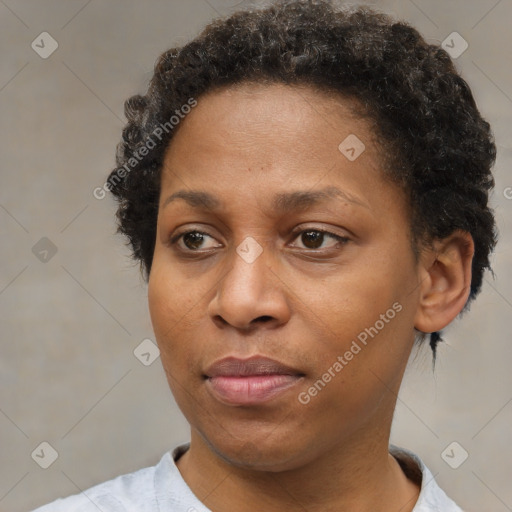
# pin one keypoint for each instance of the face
(283, 287)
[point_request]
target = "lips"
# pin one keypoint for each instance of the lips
(252, 381)
(256, 365)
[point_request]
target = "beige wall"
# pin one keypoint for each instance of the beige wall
(69, 326)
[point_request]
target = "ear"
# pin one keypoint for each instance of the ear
(445, 281)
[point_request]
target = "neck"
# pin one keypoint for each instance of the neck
(358, 475)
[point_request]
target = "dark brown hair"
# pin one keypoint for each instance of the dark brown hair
(440, 149)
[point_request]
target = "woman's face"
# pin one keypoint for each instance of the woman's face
(273, 241)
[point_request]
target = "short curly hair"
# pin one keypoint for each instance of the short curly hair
(435, 144)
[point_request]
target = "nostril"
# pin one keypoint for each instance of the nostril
(263, 319)
(220, 320)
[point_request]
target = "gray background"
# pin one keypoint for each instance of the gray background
(69, 326)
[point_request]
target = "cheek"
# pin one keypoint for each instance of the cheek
(354, 379)
(366, 317)
(348, 302)
(170, 311)
(172, 299)
(168, 320)
(172, 316)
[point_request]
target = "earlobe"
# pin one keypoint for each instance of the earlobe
(445, 281)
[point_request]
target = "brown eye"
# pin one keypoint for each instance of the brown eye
(193, 240)
(319, 239)
(312, 239)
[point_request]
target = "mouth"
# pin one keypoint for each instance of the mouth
(252, 381)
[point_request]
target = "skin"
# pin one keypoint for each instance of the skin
(298, 303)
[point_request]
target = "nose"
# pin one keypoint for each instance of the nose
(250, 294)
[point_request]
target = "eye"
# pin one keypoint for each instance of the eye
(194, 241)
(315, 239)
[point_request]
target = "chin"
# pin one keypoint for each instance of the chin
(282, 450)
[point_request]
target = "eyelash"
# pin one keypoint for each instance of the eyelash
(340, 239)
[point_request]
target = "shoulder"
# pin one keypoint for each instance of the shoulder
(132, 491)
(432, 498)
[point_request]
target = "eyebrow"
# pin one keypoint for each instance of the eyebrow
(282, 203)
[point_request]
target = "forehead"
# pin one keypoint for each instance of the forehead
(254, 139)
(231, 115)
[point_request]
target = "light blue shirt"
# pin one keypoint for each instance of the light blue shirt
(161, 488)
